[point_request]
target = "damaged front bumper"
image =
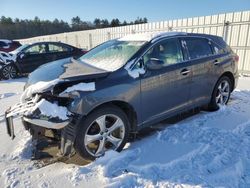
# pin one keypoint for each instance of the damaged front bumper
(46, 123)
(31, 114)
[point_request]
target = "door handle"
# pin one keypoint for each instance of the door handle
(216, 62)
(185, 72)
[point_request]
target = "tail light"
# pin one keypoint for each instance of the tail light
(84, 51)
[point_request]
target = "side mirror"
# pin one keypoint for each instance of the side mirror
(154, 64)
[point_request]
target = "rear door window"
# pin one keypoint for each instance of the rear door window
(54, 48)
(198, 47)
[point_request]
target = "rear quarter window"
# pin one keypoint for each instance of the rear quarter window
(198, 47)
(219, 45)
(54, 48)
(217, 49)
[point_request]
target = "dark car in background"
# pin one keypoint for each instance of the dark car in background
(8, 45)
(122, 86)
(29, 57)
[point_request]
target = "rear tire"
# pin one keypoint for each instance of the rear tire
(221, 93)
(104, 129)
(9, 72)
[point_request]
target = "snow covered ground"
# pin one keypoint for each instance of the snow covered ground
(204, 150)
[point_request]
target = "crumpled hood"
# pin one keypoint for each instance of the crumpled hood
(65, 69)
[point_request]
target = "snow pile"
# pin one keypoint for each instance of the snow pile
(5, 95)
(149, 36)
(80, 87)
(134, 72)
(6, 57)
(37, 88)
(204, 150)
(109, 64)
(137, 37)
(51, 110)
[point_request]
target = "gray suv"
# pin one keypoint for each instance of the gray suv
(92, 104)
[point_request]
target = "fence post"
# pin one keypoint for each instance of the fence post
(90, 41)
(66, 39)
(76, 41)
(109, 35)
(225, 30)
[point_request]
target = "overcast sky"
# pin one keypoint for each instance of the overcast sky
(154, 10)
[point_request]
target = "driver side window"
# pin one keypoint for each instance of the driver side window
(167, 52)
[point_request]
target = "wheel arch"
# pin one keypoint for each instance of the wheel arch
(230, 76)
(17, 67)
(125, 107)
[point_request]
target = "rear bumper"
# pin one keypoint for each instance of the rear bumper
(236, 80)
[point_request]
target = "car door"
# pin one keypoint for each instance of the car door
(165, 91)
(58, 51)
(32, 57)
(202, 64)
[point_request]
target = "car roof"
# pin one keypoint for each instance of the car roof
(47, 42)
(147, 37)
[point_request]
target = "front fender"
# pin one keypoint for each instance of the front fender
(128, 93)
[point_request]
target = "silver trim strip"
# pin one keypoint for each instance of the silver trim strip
(185, 72)
(46, 124)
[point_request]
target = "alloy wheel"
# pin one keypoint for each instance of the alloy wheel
(106, 132)
(9, 72)
(223, 93)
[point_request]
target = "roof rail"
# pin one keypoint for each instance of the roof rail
(167, 34)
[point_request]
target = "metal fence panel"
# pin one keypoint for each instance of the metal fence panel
(233, 27)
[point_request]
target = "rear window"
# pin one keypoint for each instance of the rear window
(198, 48)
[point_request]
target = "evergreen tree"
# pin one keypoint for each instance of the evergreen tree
(19, 28)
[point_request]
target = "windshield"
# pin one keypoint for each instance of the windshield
(111, 55)
(16, 51)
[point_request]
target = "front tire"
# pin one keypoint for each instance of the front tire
(104, 129)
(9, 72)
(221, 93)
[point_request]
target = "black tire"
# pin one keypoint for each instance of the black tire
(8, 72)
(214, 105)
(86, 124)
